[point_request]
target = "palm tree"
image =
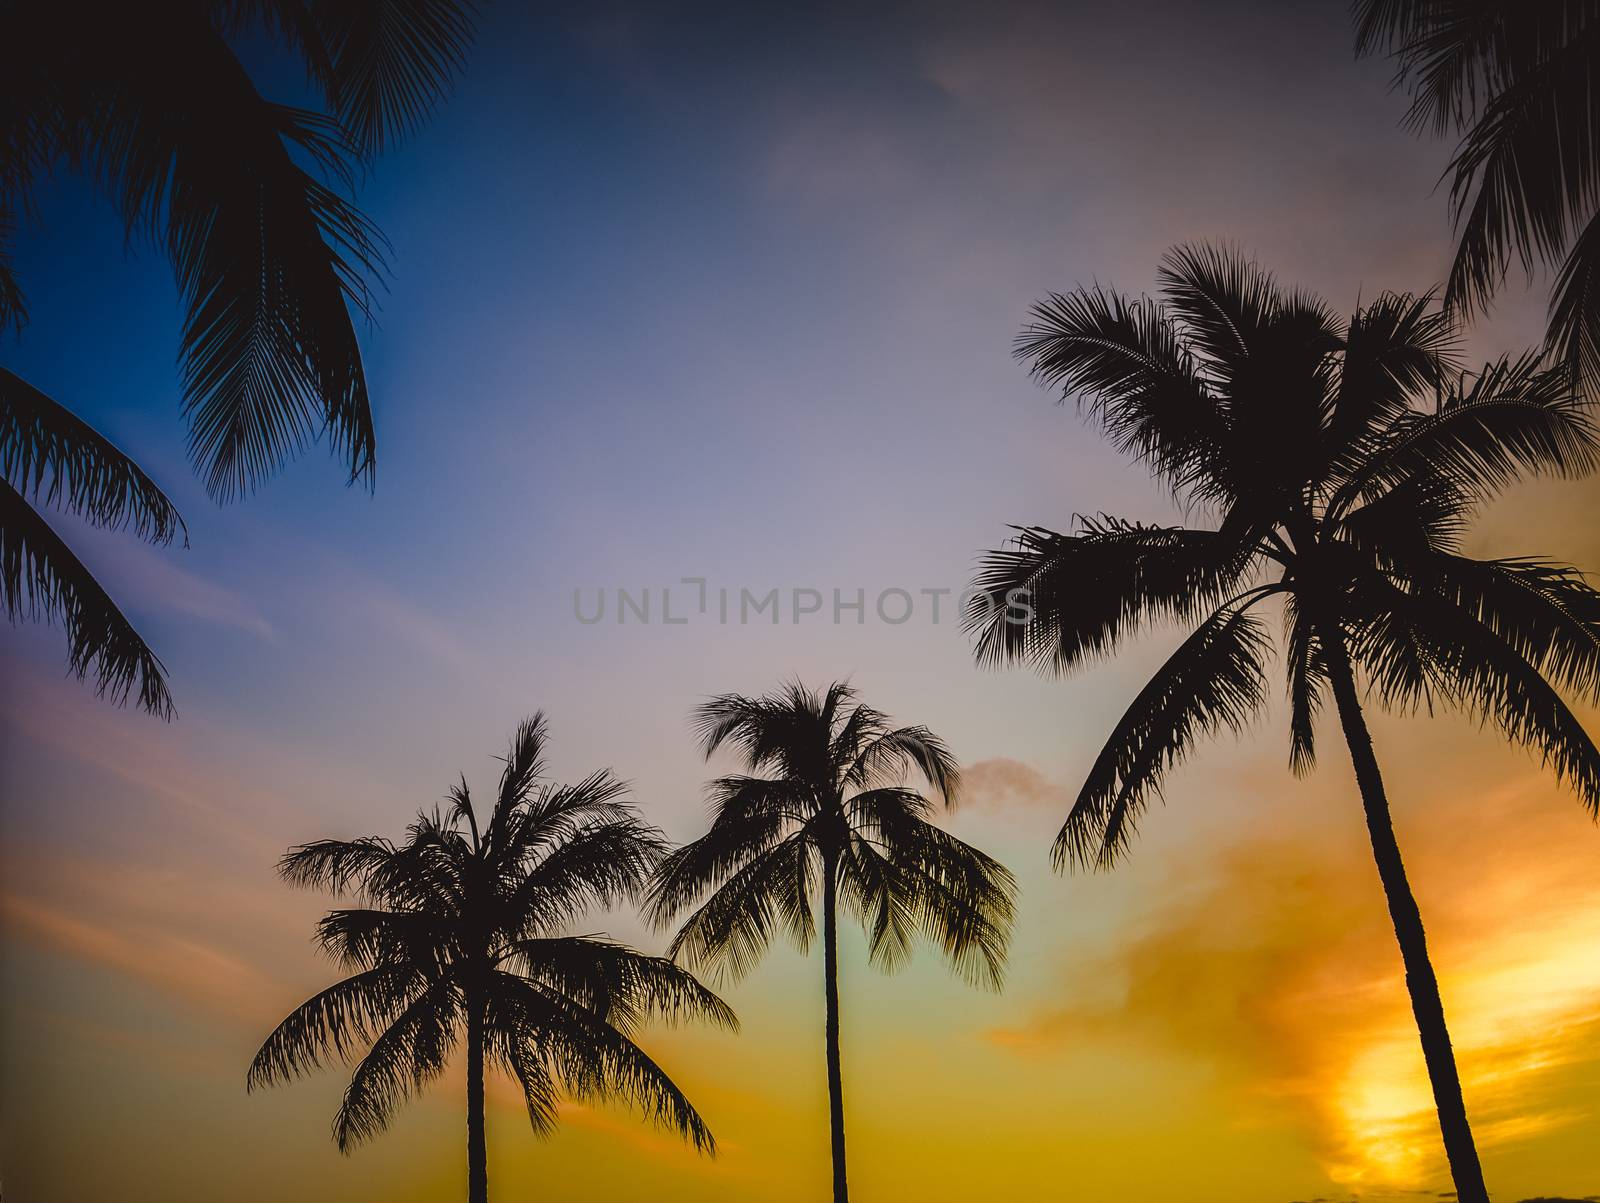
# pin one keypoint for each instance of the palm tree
(830, 812)
(1340, 474)
(461, 928)
(248, 200)
(1519, 84)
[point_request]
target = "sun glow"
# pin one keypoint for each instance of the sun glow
(1282, 967)
(1523, 1004)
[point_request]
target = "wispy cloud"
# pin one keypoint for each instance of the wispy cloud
(151, 579)
(152, 953)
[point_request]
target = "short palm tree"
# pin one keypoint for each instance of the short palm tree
(829, 813)
(461, 930)
(248, 200)
(1340, 473)
(1519, 84)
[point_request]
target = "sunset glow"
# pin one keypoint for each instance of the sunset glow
(728, 293)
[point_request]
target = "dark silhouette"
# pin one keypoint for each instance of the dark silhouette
(1340, 464)
(460, 929)
(831, 813)
(247, 198)
(1518, 84)
(48, 456)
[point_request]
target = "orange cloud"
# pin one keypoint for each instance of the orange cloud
(1281, 965)
(185, 967)
(1005, 784)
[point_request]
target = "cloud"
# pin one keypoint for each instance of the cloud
(175, 765)
(144, 577)
(1273, 958)
(1011, 785)
(190, 969)
(374, 608)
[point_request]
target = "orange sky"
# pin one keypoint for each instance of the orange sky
(1231, 999)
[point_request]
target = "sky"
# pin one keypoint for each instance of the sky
(726, 293)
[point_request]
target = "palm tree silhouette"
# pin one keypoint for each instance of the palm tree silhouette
(1333, 491)
(830, 813)
(248, 200)
(462, 929)
(1520, 85)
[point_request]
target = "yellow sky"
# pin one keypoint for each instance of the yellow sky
(1230, 1001)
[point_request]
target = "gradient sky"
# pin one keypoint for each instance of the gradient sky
(714, 291)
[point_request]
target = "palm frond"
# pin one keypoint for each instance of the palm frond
(1527, 171)
(1471, 666)
(52, 457)
(524, 763)
(1454, 57)
(13, 305)
(364, 938)
(871, 886)
(767, 731)
(269, 258)
(41, 580)
(903, 869)
(1548, 614)
(1090, 590)
(771, 892)
(618, 985)
(338, 865)
(333, 1022)
(246, 197)
(1574, 326)
(1130, 371)
(551, 815)
(593, 1059)
(508, 1045)
(597, 866)
(1307, 678)
(1396, 349)
(391, 61)
(1422, 513)
(869, 810)
(1517, 82)
(853, 728)
(1518, 418)
(1225, 300)
(461, 810)
(410, 1053)
(270, 356)
(890, 756)
(1214, 681)
(33, 125)
(753, 816)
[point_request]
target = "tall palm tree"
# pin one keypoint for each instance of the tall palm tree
(1519, 85)
(461, 928)
(248, 200)
(1340, 473)
(829, 812)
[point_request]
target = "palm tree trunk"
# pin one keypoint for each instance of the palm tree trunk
(1426, 1004)
(830, 973)
(477, 1154)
